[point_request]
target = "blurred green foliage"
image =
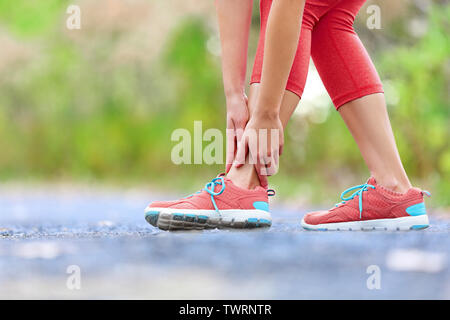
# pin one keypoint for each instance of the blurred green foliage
(30, 17)
(69, 110)
(421, 77)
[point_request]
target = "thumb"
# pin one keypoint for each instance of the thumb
(262, 177)
(231, 146)
(241, 152)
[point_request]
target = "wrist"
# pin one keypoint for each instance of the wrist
(266, 108)
(236, 100)
(234, 93)
(266, 113)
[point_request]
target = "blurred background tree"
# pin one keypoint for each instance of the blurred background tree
(100, 103)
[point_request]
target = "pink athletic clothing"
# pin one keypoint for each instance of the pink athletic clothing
(328, 37)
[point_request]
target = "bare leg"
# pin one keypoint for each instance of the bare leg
(368, 122)
(245, 176)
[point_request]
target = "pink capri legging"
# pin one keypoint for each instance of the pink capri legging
(328, 37)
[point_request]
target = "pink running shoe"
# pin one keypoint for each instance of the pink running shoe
(372, 207)
(221, 204)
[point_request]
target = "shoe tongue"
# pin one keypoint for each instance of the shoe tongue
(372, 181)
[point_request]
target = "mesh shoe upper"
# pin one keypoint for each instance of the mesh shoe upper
(377, 203)
(232, 197)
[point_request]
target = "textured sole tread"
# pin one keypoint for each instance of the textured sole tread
(180, 221)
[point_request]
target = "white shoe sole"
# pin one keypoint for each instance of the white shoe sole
(192, 219)
(403, 223)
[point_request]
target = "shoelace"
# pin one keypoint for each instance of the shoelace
(219, 181)
(359, 192)
(211, 186)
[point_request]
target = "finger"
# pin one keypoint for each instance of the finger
(239, 134)
(261, 172)
(271, 164)
(241, 152)
(252, 146)
(267, 165)
(272, 156)
(262, 158)
(231, 144)
(263, 180)
(260, 167)
(274, 162)
(281, 144)
(230, 153)
(239, 130)
(231, 147)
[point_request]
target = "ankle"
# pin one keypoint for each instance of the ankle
(245, 179)
(244, 185)
(393, 184)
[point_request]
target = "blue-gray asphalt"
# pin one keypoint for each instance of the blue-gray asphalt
(117, 254)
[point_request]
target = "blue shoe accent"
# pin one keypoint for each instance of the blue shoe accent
(417, 209)
(178, 216)
(202, 219)
(258, 223)
(311, 229)
(261, 205)
(427, 193)
(152, 217)
(265, 221)
(420, 226)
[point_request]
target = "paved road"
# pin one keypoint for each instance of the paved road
(43, 231)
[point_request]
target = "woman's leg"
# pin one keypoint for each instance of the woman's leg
(386, 201)
(245, 176)
(356, 90)
(368, 121)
